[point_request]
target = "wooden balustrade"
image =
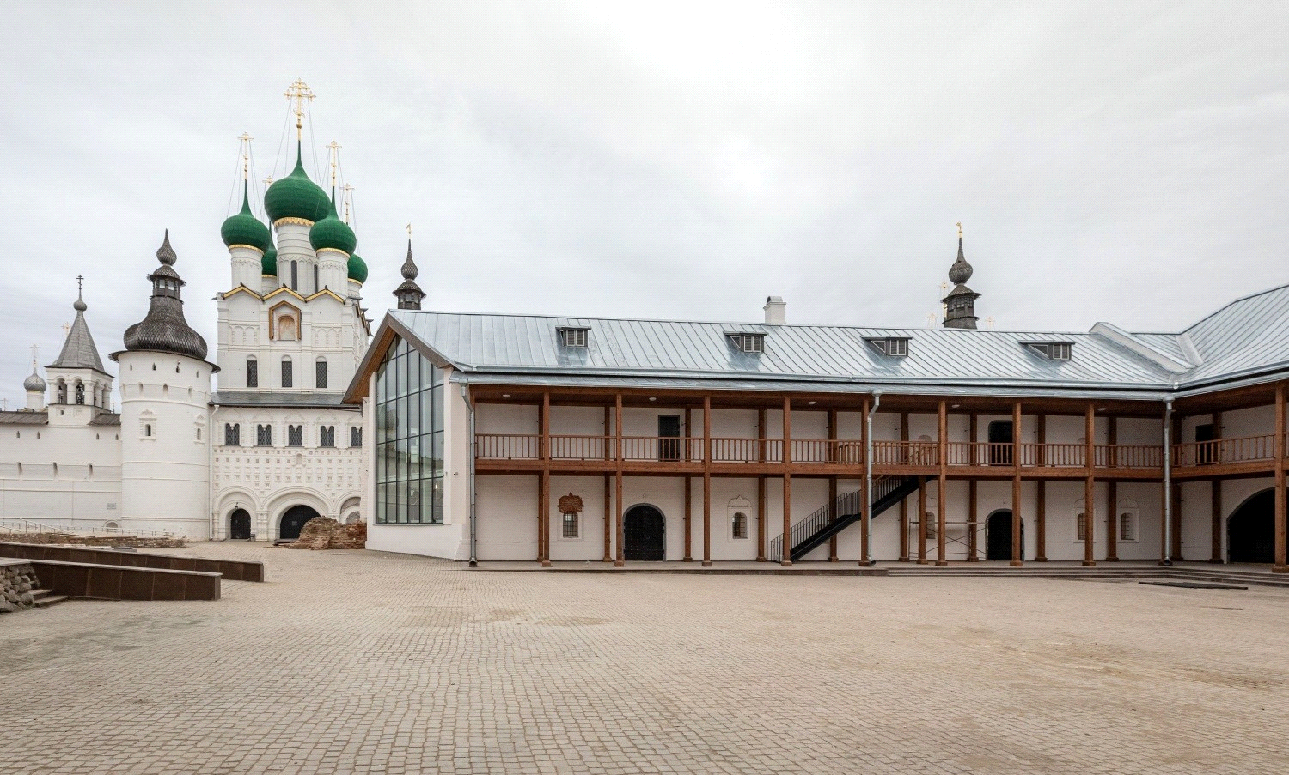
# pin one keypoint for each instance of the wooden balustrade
(507, 446)
(1053, 455)
(1129, 456)
(1234, 450)
(569, 447)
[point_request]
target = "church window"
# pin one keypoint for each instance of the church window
(295, 435)
(80, 392)
(252, 373)
(294, 276)
(286, 372)
(355, 437)
(327, 436)
(409, 438)
(739, 525)
(320, 373)
(263, 435)
(199, 433)
(315, 277)
(147, 429)
(62, 392)
(232, 434)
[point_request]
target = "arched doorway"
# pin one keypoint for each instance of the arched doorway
(998, 536)
(1251, 529)
(239, 525)
(293, 520)
(646, 533)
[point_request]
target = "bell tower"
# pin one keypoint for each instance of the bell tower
(960, 304)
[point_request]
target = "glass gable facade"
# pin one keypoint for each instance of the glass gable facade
(409, 439)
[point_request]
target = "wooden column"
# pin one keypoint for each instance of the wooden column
(1280, 565)
(707, 480)
(1089, 486)
(1112, 497)
(689, 494)
(620, 530)
(1176, 552)
(1215, 502)
(972, 549)
(904, 504)
(865, 499)
(1040, 507)
(832, 484)
(787, 482)
(1017, 547)
(941, 510)
(608, 491)
(760, 487)
(544, 484)
(922, 520)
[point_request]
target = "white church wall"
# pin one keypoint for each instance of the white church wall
(61, 476)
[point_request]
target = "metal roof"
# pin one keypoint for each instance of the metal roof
(268, 399)
(79, 351)
(24, 418)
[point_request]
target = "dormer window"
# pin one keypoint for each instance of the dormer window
(748, 342)
(1053, 351)
(574, 337)
(895, 346)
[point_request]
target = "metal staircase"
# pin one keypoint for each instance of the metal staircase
(830, 519)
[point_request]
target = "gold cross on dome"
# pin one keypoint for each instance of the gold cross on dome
(300, 92)
(409, 230)
(959, 225)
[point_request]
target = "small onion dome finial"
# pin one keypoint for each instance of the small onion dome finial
(409, 269)
(165, 253)
(79, 305)
(34, 383)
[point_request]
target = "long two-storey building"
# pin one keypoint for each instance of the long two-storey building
(511, 437)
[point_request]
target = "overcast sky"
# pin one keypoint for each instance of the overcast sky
(1115, 161)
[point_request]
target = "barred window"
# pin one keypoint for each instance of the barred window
(739, 525)
(232, 434)
(1082, 528)
(295, 435)
(252, 373)
(286, 372)
(263, 435)
(571, 525)
(355, 437)
(409, 438)
(1127, 526)
(320, 374)
(327, 436)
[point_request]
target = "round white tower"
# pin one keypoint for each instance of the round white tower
(165, 396)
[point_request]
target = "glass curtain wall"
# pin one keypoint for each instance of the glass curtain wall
(409, 435)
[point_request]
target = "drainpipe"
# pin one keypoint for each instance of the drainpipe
(465, 395)
(1168, 483)
(868, 476)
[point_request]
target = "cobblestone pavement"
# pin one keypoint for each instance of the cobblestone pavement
(355, 661)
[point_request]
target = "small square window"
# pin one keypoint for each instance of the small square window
(895, 346)
(575, 337)
(1053, 351)
(749, 343)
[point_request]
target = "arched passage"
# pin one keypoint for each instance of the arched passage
(998, 536)
(239, 525)
(1251, 529)
(293, 519)
(646, 533)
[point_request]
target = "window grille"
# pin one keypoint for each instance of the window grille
(328, 436)
(1082, 528)
(740, 525)
(1127, 527)
(264, 435)
(286, 373)
(232, 434)
(571, 525)
(252, 373)
(320, 374)
(295, 435)
(355, 437)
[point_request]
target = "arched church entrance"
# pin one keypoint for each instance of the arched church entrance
(1251, 529)
(646, 533)
(294, 519)
(998, 536)
(239, 525)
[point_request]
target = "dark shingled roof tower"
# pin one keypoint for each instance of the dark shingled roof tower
(164, 328)
(409, 294)
(960, 304)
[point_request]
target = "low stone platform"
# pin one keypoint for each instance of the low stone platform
(233, 570)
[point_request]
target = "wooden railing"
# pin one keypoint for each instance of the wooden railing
(1237, 450)
(905, 453)
(725, 450)
(507, 446)
(1129, 456)
(566, 447)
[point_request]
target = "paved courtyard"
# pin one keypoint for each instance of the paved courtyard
(356, 661)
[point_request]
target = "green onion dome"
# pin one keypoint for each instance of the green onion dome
(245, 229)
(295, 196)
(357, 269)
(331, 232)
(268, 262)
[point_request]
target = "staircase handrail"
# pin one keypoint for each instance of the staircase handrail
(848, 503)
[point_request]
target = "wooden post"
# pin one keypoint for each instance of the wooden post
(608, 493)
(904, 504)
(1017, 522)
(865, 498)
(1176, 553)
(922, 520)
(689, 495)
(973, 551)
(787, 482)
(1040, 513)
(707, 481)
(1089, 486)
(1112, 496)
(760, 487)
(832, 483)
(1215, 501)
(1280, 565)
(941, 505)
(617, 500)
(544, 484)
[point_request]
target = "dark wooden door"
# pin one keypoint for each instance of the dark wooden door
(998, 536)
(669, 437)
(1208, 452)
(646, 533)
(294, 519)
(239, 525)
(1250, 532)
(1000, 439)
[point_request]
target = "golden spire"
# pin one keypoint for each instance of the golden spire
(246, 155)
(348, 194)
(300, 93)
(959, 225)
(333, 151)
(409, 230)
